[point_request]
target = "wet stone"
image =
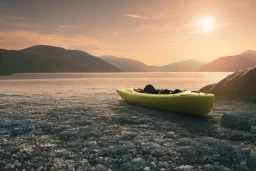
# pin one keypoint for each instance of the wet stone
(208, 167)
(251, 162)
(245, 152)
(184, 168)
(3, 154)
(137, 160)
(100, 167)
(16, 131)
(215, 158)
(170, 134)
(4, 131)
(68, 135)
(146, 168)
(235, 122)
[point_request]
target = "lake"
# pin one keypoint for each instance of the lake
(75, 82)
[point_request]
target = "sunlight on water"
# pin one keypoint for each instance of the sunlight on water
(78, 82)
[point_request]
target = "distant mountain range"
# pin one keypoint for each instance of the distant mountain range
(244, 60)
(126, 64)
(43, 58)
(189, 65)
(130, 65)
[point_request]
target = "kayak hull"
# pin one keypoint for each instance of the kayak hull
(185, 102)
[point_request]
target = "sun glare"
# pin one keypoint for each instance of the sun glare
(206, 24)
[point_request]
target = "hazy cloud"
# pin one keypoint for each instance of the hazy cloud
(138, 17)
(66, 26)
(11, 39)
(13, 18)
(115, 33)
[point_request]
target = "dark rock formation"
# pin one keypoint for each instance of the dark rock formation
(239, 84)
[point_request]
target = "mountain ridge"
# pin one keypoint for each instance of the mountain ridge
(246, 59)
(188, 65)
(132, 65)
(45, 58)
(126, 64)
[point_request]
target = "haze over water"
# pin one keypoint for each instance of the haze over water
(75, 82)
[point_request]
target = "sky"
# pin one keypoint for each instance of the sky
(156, 32)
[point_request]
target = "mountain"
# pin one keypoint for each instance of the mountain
(189, 65)
(130, 65)
(42, 58)
(126, 64)
(244, 60)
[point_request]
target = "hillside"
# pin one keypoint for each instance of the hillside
(130, 65)
(181, 66)
(244, 60)
(126, 64)
(43, 58)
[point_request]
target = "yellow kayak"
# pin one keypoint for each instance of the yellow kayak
(187, 102)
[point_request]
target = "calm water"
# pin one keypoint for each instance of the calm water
(76, 82)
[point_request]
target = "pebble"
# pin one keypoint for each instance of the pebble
(215, 158)
(185, 168)
(137, 160)
(253, 152)
(146, 168)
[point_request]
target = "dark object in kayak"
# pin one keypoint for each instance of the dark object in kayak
(151, 90)
(165, 91)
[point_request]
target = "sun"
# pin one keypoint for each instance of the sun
(207, 24)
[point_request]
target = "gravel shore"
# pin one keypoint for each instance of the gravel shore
(99, 131)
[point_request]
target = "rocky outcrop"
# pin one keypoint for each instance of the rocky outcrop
(239, 84)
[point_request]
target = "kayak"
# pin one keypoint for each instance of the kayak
(187, 102)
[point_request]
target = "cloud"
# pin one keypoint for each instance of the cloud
(115, 33)
(13, 18)
(11, 39)
(160, 29)
(138, 17)
(66, 26)
(17, 22)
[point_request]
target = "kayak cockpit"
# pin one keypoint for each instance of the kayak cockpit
(149, 89)
(160, 91)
